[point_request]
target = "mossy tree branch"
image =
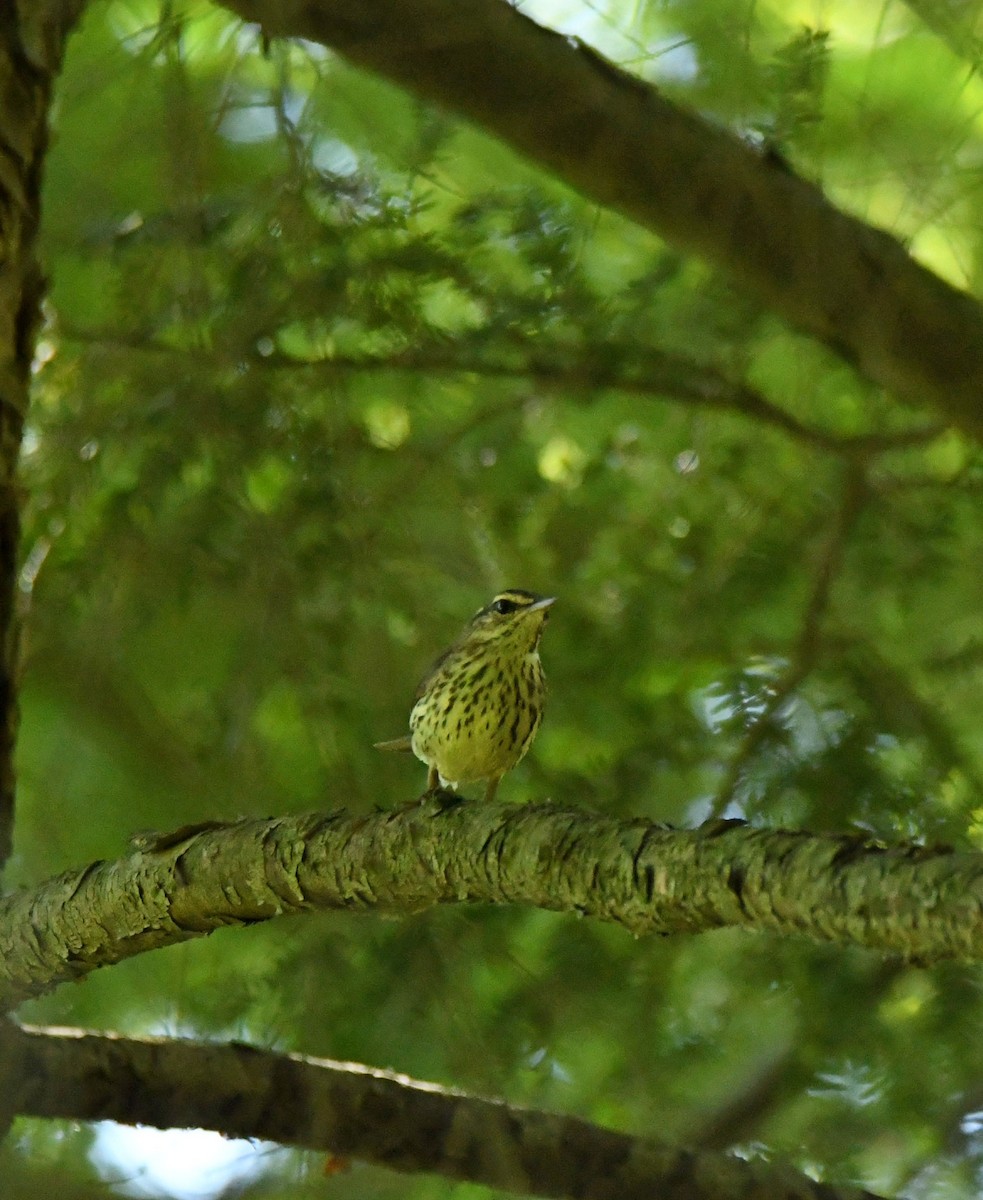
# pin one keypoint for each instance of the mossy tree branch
(904, 900)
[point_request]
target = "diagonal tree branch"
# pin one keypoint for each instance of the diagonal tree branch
(622, 143)
(953, 23)
(906, 900)
(376, 1116)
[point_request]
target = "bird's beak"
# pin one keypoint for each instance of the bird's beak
(541, 604)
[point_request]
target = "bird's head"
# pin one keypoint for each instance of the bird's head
(515, 618)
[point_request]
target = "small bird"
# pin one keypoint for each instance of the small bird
(478, 710)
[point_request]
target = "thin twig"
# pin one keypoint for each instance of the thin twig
(808, 644)
(656, 374)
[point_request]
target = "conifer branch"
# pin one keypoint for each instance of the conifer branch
(914, 902)
(622, 142)
(355, 1112)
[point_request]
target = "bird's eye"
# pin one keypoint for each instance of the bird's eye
(505, 606)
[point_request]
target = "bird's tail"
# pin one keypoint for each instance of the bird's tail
(401, 744)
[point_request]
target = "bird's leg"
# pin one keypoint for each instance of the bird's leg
(492, 788)
(434, 790)
(436, 793)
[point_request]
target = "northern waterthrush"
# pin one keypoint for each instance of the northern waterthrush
(477, 711)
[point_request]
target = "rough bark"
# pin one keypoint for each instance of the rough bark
(622, 143)
(918, 903)
(32, 43)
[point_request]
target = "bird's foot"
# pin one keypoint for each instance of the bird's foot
(442, 798)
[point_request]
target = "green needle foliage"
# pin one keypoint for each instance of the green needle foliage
(323, 370)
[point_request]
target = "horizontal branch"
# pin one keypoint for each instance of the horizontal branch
(380, 1117)
(911, 901)
(622, 143)
(654, 374)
